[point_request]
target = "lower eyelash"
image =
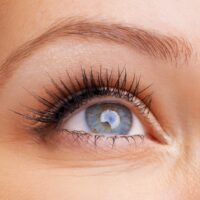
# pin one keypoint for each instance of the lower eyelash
(80, 137)
(65, 98)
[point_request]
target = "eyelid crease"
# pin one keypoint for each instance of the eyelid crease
(167, 48)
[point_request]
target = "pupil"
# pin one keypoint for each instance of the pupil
(109, 118)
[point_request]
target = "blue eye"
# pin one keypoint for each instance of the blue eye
(105, 118)
(109, 118)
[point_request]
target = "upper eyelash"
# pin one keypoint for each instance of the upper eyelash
(65, 100)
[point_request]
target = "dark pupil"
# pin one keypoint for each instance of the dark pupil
(109, 117)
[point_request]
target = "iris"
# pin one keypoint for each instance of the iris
(109, 118)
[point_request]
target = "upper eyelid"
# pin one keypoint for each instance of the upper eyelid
(64, 90)
(145, 42)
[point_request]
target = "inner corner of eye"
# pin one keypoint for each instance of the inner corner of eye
(105, 117)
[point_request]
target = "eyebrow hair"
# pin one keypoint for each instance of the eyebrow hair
(158, 46)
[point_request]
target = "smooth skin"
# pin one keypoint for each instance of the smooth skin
(31, 171)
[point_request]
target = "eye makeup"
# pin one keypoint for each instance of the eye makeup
(66, 98)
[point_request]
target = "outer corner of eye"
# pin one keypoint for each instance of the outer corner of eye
(157, 132)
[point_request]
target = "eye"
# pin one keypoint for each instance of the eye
(95, 105)
(106, 118)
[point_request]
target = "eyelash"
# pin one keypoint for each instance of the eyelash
(65, 99)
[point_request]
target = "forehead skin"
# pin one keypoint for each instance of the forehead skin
(23, 20)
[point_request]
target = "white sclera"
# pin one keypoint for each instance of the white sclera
(77, 122)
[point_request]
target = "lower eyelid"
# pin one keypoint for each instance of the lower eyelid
(81, 154)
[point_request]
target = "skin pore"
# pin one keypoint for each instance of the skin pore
(155, 41)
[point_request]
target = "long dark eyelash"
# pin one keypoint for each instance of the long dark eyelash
(64, 100)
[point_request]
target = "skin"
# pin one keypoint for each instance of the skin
(32, 170)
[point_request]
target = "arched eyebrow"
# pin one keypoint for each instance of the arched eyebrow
(167, 48)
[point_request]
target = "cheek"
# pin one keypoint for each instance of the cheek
(34, 179)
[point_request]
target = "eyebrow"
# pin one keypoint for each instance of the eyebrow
(156, 45)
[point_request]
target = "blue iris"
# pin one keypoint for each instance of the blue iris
(109, 118)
